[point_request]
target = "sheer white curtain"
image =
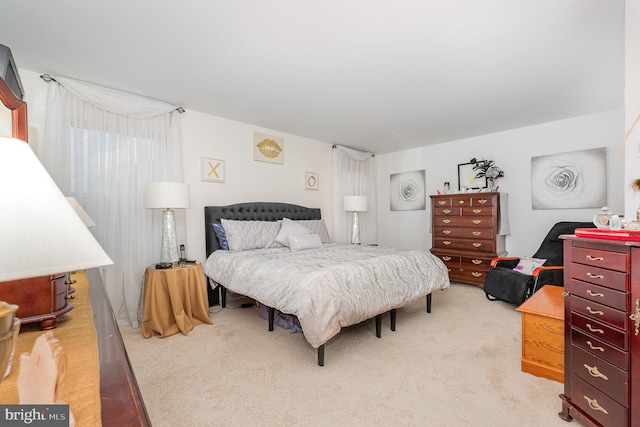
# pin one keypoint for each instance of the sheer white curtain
(353, 175)
(102, 146)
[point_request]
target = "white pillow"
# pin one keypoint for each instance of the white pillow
(244, 235)
(287, 228)
(298, 242)
(527, 265)
(317, 226)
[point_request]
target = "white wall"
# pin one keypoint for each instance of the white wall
(246, 180)
(512, 151)
(632, 102)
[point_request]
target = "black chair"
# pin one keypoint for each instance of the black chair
(506, 284)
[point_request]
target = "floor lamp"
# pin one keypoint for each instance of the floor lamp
(168, 196)
(355, 204)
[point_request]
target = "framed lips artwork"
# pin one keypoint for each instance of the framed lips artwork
(267, 148)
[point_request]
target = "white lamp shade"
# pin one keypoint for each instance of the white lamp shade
(41, 233)
(167, 195)
(84, 216)
(355, 203)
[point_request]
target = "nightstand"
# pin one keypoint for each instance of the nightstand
(175, 300)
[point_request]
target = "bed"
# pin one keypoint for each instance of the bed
(326, 285)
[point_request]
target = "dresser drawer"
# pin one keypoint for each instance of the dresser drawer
(463, 232)
(601, 312)
(600, 276)
(600, 348)
(476, 262)
(601, 331)
(600, 294)
(447, 211)
(599, 258)
(463, 221)
(463, 244)
(442, 202)
(609, 379)
(481, 200)
(471, 275)
(478, 211)
(598, 405)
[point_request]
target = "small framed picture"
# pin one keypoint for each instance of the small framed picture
(467, 178)
(268, 148)
(211, 170)
(311, 181)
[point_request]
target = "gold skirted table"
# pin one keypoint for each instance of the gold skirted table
(77, 335)
(175, 300)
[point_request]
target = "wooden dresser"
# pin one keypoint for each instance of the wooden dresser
(602, 332)
(465, 234)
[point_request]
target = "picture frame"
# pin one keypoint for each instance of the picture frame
(311, 181)
(467, 178)
(212, 170)
(268, 148)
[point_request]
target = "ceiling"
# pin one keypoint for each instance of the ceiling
(378, 75)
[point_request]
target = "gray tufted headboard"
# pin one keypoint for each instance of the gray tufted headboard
(256, 211)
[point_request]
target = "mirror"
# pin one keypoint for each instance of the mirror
(15, 113)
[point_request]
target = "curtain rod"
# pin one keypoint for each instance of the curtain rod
(336, 146)
(47, 78)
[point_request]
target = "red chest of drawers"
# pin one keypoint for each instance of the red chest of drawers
(602, 332)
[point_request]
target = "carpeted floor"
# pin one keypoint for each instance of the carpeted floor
(457, 366)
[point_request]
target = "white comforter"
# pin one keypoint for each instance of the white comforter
(331, 287)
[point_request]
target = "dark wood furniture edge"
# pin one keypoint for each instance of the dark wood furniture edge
(121, 400)
(19, 126)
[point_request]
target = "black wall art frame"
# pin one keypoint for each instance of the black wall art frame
(467, 178)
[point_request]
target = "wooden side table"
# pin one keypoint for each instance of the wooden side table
(543, 333)
(175, 300)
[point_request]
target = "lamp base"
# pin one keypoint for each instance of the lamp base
(169, 251)
(355, 229)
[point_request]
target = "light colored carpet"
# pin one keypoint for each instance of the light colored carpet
(457, 366)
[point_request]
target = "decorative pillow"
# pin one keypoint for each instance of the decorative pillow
(244, 235)
(527, 265)
(317, 226)
(222, 237)
(298, 242)
(287, 228)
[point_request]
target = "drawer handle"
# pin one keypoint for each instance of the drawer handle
(594, 372)
(446, 242)
(476, 261)
(594, 294)
(446, 221)
(636, 316)
(592, 329)
(565, 294)
(595, 276)
(477, 211)
(595, 258)
(476, 233)
(446, 258)
(476, 244)
(442, 202)
(476, 274)
(446, 231)
(483, 201)
(593, 347)
(461, 202)
(592, 311)
(447, 211)
(477, 221)
(593, 404)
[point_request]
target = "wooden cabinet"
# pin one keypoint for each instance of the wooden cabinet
(602, 327)
(465, 234)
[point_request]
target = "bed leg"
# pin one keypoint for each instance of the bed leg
(223, 296)
(321, 355)
(393, 319)
(270, 311)
(379, 325)
(429, 303)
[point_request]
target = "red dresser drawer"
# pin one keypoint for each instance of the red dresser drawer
(602, 349)
(463, 244)
(599, 276)
(604, 376)
(600, 294)
(599, 258)
(442, 202)
(601, 312)
(478, 211)
(601, 331)
(598, 405)
(463, 232)
(446, 211)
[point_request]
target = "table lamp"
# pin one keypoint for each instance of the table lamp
(355, 204)
(84, 216)
(41, 233)
(168, 196)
